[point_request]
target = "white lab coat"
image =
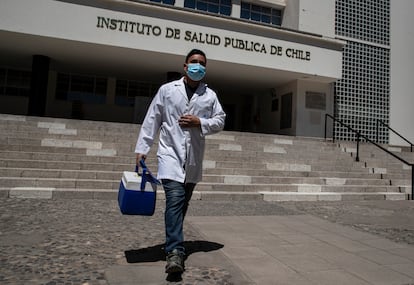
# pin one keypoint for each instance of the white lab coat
(180, 150)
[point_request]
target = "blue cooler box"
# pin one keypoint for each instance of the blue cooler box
(134, 201)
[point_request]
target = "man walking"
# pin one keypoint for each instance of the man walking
(184, 111)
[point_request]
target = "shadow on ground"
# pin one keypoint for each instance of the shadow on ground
(156, 253)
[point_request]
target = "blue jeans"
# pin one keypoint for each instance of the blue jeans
(177, 198)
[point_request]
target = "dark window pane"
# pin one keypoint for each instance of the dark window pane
(133, 89)
(276, 20)
(201, 6)
(14, 78)
(245, 6)
(121, 88)
(189, 4)
(62, 86)
(82, 84)
(260, 13)
(266, 10)
(26, 78)
(256, 8)
(100, 88)
(12, 91)
(245, 14)
(224, 10)
(255, 16)
(213, 8)
(265, 19)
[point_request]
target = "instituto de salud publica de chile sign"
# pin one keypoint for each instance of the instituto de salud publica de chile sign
(150, 30)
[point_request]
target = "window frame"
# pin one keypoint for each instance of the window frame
(261, 14)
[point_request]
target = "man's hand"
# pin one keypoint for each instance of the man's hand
(139, 157)
(189, 121)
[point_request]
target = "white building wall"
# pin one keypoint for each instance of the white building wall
(312, 16)
(310, 116)
(317, 16)
(402, 71)
(291, 15)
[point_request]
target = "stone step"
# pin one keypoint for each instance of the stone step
(399, 175)
(44, 164)
(108, 156)
(61, 161)
(60, 146)
(67, 193)
(87, 156)
(259, 170)
(288, 173)
(127, 146)
(284, 165)
(332, 181)
(25, 123)
(120, 130)
(202, 186)
(224, 179)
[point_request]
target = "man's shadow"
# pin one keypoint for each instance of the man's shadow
(156, 253)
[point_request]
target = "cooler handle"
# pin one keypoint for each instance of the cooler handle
(146, 175)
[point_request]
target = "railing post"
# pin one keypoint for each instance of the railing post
(357, 153)
(412, 181)
(326, 118)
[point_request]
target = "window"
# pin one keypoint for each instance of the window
(81, 88)
(222, 7)
(14, 82)
(167, 2)
(127, 90)
(261, 14)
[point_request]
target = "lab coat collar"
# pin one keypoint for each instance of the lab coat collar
(201, 89)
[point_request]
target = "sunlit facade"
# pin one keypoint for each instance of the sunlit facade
(278, 66)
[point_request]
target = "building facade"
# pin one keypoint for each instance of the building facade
(278, 66)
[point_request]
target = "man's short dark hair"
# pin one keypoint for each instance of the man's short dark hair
(193, 52)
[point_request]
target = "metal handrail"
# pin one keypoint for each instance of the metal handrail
(359, 135)
(395, 132)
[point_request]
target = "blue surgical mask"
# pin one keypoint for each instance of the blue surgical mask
(196, 71)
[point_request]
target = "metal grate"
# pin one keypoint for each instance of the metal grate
(362, 95)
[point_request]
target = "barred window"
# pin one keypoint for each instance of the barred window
(127, 90)
(222, 7)
(261, 14)
(89, 89)
(14, 82)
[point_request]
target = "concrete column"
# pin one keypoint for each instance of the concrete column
(38, 85)
(236, 8)
(179, 3)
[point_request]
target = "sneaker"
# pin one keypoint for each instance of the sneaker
(175, 262)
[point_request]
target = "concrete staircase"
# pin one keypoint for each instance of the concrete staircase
(378, 161)
(62, 158)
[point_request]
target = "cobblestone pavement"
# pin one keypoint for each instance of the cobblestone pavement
(75, 241)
